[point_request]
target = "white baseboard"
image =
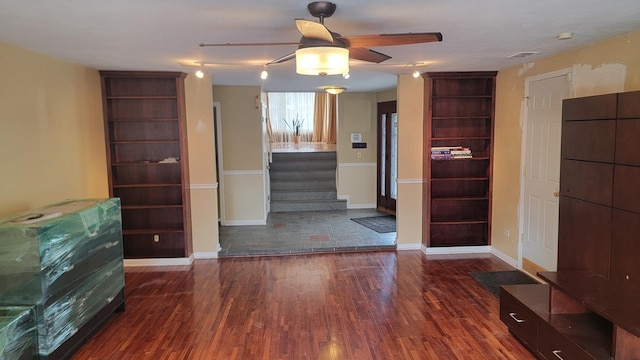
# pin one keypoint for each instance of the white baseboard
(410, 246)
(504, 257)
(205, 255)
(452, 250)
(361, 206)
(244, 222)
(356, 206)
(159, 262)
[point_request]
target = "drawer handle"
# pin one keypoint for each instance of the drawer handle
(557, 354)
(513, 316)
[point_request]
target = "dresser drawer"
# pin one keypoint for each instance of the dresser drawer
(521, 321)
(553, 345)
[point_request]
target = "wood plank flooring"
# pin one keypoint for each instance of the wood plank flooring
(375, 305)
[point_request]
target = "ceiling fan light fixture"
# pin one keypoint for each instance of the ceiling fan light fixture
(346, 76)
(264, 74)
(335, 90)
(322, 60)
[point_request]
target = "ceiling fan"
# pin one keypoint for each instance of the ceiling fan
(315, 35)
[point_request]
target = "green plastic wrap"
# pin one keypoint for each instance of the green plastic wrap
(60, 318)
(43, 250)
(67, 260)
(17, 333)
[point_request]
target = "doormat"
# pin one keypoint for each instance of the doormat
(379, 224)
(491, 280)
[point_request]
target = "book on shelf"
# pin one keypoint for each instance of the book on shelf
(444, 149)
(449, 156)
(450, 152)
(441, 156)
(461, 151)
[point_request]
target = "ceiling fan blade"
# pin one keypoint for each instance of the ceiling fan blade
(313, 30)
(251, 44)
(282, 59)
(391, 39)
(364, 54)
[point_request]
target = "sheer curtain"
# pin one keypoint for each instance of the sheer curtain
(289, 106)
(318, 112)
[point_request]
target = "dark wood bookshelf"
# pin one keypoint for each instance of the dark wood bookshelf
(145, 124)
(459, 111)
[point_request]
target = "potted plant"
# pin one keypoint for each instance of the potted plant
(295, 125)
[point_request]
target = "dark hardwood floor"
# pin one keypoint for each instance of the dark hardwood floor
(372, 305)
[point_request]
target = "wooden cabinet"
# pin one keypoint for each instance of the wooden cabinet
(593, 297)
(459, 113)
(520, 308)
(145, 130)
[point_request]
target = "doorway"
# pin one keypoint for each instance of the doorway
(387, 156)
(217, 136)
(541, 170)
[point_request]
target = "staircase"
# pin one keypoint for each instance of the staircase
(304, 181)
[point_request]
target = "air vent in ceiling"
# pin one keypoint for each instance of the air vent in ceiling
(523, 54)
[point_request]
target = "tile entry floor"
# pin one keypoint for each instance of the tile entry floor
(305, 232)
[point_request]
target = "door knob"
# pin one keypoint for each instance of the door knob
(556, 193)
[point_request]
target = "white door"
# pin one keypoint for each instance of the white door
(541, 173)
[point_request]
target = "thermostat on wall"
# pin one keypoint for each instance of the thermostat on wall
(356, 137)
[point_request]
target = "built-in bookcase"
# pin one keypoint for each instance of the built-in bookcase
(459, 113)
(146, 140)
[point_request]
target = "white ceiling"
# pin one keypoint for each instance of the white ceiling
(164, 34)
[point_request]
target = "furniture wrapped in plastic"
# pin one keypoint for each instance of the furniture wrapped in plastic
(17, 333)
(67, 260)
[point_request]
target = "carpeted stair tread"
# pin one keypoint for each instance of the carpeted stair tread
(304, 181)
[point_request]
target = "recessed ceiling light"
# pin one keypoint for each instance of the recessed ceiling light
(565, 36)
(523, 54)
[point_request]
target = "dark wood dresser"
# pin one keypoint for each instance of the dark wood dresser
(590, 308)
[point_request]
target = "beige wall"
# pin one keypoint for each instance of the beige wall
(51, 131)
(608, 66)
(410, 142)
(357, 167)
(387, 95)
(241, 122)
(243, 183)
(203, 185)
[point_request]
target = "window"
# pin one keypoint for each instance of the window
(290, 106)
